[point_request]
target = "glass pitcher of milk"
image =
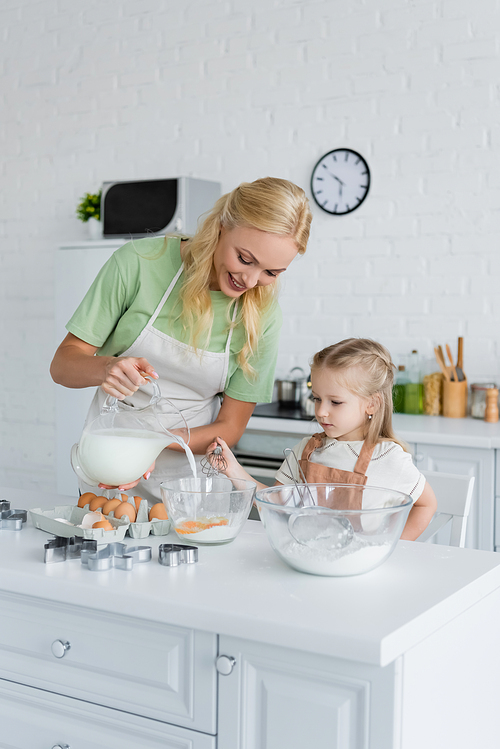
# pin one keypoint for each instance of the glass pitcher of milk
(120, 445)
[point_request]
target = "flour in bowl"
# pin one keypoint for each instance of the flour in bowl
(357, 558)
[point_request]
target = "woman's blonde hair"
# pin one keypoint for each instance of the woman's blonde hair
(367, 370)
(272, 205)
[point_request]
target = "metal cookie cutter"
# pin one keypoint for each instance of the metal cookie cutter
(11, 520)
(60, 549)
(116, 555)
(171, 555)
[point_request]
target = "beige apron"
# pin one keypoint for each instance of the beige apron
(192, 382)
(340, 499)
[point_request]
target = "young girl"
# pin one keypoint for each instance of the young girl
(352, 392)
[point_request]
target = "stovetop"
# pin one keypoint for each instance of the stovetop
(278, 410)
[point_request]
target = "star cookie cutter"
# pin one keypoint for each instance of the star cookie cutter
(61, 549)
(11, 520)
(116, 555)
(171, 555)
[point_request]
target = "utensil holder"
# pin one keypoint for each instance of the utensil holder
(455, 399)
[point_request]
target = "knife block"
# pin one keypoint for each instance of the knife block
(455, 399)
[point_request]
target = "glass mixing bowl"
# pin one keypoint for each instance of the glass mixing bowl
(311, 530)
(207, 510)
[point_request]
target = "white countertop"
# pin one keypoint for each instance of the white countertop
(244, 590)
(430, 430)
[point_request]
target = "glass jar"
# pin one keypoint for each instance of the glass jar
(433, 386)
(478, 398)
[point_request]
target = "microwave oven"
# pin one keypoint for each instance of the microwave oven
(143, 208)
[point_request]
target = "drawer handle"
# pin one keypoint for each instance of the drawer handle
(225, 664)
(59, 648)
(61, 746)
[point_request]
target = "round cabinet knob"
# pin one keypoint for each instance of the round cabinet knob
(225, 664)
(419, 458)
(59, 648)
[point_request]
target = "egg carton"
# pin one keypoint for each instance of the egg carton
(64, 520)
(142, 526)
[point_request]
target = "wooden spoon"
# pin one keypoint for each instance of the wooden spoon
(454, 371)
(460, 359)
(441, 363)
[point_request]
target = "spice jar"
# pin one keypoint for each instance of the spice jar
(478, 398)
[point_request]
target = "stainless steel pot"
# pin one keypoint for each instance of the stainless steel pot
(289, 390)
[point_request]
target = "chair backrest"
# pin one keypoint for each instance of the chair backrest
(454, 498)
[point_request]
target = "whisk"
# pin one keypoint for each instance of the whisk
(301, 488)
(214, 462)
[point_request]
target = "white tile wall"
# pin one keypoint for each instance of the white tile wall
(236, 90)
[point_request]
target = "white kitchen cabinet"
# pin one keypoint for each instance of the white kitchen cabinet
(36, 719)
(153, 669)
(276, 698)
(467, 461)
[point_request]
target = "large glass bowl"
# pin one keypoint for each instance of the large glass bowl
(312, 529)
(207, 510)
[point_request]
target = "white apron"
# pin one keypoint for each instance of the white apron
(192, 382)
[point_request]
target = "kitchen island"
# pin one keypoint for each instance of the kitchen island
(402, 657)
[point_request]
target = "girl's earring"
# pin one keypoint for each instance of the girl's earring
(369, 417)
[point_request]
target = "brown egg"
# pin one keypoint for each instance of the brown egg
(104, 524)
(110, 505)
(125, 508)
(84, 499)
(137, 502)
(124, 497)
(158, 511)
(97, 503)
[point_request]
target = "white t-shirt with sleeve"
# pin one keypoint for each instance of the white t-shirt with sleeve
(390, 466)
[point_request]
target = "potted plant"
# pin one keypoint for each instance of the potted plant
(89, 211)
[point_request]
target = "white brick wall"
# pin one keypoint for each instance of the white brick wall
(236, 90)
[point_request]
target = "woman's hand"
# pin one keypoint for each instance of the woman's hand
(125, 374)
(126, 487)
(75, 366)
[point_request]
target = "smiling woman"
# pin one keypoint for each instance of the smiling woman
(200, 316)
(246, 258)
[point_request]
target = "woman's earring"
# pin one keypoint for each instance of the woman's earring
(369, 417)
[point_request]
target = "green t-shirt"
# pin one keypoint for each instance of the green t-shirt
(128, 289)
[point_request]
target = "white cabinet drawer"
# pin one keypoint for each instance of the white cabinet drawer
(34, 719)
(143, 667)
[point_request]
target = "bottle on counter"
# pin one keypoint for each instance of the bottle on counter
(398, 390)
(414, 389)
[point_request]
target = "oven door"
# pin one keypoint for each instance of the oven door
(260, 468)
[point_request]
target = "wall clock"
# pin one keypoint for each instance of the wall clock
(340, 181)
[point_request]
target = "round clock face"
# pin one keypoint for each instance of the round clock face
(340, 181)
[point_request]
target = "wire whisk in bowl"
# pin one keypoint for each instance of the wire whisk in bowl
(214, 462)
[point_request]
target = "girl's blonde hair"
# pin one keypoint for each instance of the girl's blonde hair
(367, 370)
(272, 205)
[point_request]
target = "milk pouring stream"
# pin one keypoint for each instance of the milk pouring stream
(120, 445)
